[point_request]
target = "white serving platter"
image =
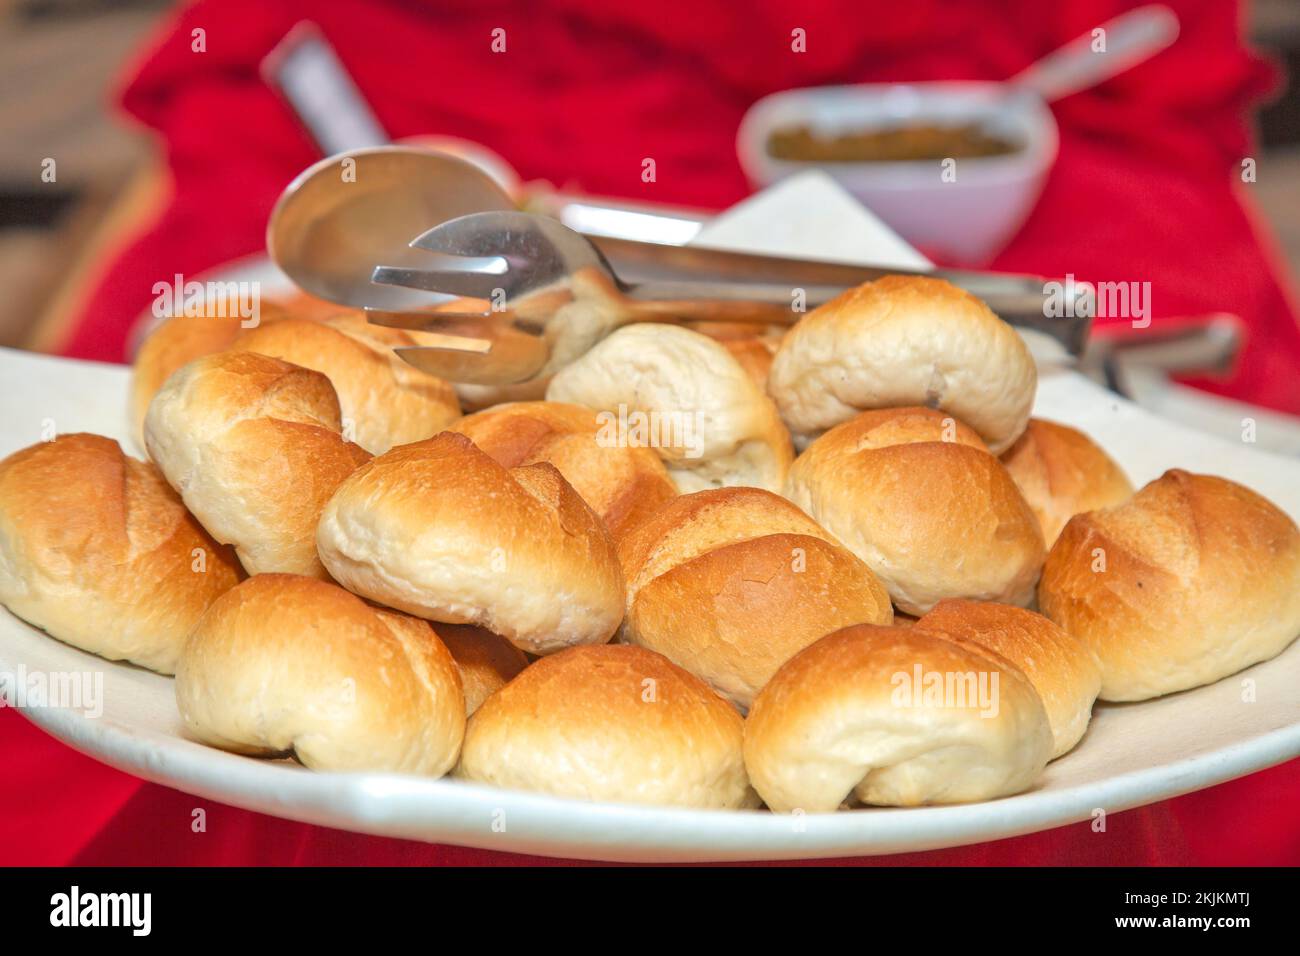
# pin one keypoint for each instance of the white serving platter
(1133, 753)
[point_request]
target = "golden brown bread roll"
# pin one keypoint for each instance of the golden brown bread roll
(1062, 668)
(731, 583)
(753, 346)
(470, 397)
(1062, 472)
(614, 723)
(98, 551)
(486, 661)
(440, 530)
(905, 340)
(253, 445)
(178, 341)
(914, 494)
(354, 323)
(621, 484)
(286, 663)
(383, 401)
(304, 305)
(1192, 579)
(754, 356)
(895, 717)
(696, 405)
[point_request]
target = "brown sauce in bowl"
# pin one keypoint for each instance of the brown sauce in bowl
(921, 141)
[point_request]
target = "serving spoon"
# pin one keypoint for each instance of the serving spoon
(341, 216)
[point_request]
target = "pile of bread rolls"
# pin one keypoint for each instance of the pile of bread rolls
(622, 583)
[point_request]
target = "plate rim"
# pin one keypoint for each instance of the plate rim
(634, 833)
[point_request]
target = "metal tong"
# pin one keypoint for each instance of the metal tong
(533, 294)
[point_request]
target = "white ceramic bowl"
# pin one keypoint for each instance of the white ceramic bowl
(967, 220)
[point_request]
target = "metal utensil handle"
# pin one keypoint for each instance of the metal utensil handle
(304, 69)
(1018, 300)
(645, 261)
(686, 272)
(1126, 41)
(712, 302)
(1178, 344)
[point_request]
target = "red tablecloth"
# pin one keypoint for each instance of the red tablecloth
(1147, 188)
(60, 807)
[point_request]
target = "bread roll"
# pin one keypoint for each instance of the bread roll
(354, 323)
(178, 341)
(486, 661)
(754, 357)
(914, 494)
(732, 583)
(685, 395)
(1192, 579)
(304, 305)
(753, 346)
(286, 663)
(905, 340)
(895, 717)
(253, 445)
(99, 552)
(383, 401)
(1062, 669)
(613, 723)
(440, 530)
(1062, 472)
(621, 484)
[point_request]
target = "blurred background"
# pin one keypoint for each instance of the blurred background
(60, 63)
(64, 65)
